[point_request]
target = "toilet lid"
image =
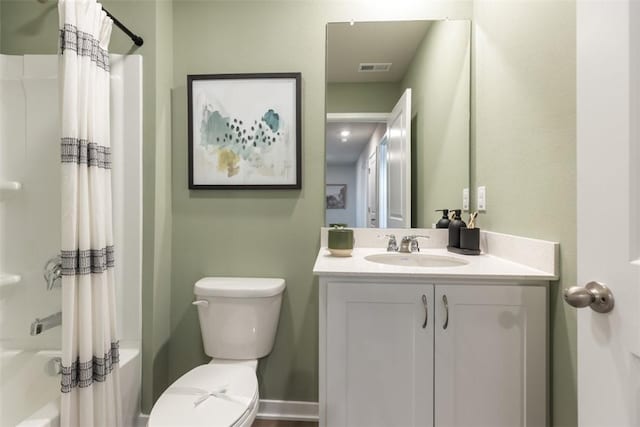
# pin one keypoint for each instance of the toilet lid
(209, 395)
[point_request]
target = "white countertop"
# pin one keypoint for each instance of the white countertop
(479, 267)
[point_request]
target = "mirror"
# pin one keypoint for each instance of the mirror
(398, 121)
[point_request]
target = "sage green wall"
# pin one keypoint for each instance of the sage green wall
(261, 233)
(31, 27)
(361, 97)
(439, 78)
(524, 149)
(27, 31)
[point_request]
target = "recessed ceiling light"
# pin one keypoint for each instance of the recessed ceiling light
(345, 133)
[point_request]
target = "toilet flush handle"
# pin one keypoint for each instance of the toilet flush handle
(201, 302)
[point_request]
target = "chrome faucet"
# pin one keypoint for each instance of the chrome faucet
(40, 325)
(392, 245)
(409, 244)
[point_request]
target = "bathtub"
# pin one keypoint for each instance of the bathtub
(30, 387)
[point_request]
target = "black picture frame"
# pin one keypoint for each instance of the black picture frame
(231, 135)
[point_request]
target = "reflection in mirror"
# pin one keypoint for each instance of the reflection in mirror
(398, 111)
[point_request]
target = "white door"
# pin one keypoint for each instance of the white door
(372, 191)
(490, 360)
(399, 164)
(608, 205)
(379, 356)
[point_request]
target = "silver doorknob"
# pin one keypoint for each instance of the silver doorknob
(594, 294)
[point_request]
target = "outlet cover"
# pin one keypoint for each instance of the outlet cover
(482, 198)
(465, 199)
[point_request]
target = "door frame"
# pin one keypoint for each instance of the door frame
(357, 117)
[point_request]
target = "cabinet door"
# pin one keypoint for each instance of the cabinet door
(379, 355)
(490, 359)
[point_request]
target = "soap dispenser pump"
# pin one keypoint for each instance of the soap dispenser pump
(444, 221)
(454, 229)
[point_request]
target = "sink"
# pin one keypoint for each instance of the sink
(416, 260)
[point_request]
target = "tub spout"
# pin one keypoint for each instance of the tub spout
(38, 326)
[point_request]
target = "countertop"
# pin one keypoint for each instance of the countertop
(479, 267)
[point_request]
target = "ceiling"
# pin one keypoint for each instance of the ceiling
(366, 42)
(343, 153)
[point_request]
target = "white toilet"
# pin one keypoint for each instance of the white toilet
(238, 320)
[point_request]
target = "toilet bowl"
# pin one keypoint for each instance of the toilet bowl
(209, 395)
(238, 321)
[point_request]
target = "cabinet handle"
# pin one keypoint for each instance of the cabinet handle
(426, 311)
(446, 309)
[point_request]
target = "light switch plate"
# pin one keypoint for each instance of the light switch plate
(465, 199)
(482, 198)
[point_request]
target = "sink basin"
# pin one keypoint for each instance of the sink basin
(416, 260)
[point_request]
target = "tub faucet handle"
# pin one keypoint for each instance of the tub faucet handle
(53, 272)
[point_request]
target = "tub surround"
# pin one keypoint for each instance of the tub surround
(10, 186)
(7, 279)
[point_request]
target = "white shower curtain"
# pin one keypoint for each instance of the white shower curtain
(90, 381)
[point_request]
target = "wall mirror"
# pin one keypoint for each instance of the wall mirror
(397, 128)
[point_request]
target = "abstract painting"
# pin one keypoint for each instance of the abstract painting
(244, 131)
(336, 196)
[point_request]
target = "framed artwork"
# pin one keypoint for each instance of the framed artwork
(336, 196)
(244, 131)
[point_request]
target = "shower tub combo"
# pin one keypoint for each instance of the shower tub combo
(30, 296)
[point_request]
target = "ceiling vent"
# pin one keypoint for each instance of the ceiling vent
(373, 67)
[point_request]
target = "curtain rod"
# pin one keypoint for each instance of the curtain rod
(137, 40)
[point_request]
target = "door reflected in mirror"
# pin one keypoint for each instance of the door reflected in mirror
(398, 112)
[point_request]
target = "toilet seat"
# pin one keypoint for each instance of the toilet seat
(209, 395)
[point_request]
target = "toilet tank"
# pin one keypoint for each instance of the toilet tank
(238, 315)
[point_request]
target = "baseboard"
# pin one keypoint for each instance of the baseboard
(289, 410)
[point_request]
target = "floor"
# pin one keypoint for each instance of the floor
(277, 423)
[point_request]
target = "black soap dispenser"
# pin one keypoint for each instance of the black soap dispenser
(454, 229)
(444, 221)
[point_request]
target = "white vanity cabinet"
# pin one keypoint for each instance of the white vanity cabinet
(415, 352)
(490, 355)
(379, 355)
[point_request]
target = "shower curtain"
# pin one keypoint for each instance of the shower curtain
(90, 382)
